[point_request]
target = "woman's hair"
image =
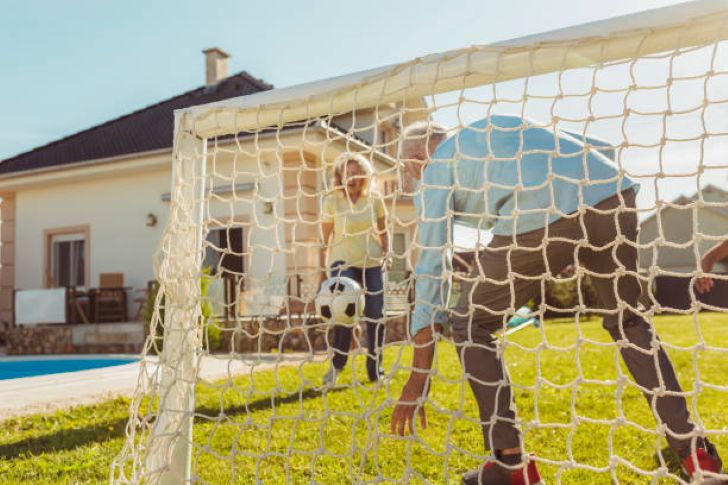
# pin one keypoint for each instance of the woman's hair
(341, 162)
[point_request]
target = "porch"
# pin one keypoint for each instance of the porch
(70, 320)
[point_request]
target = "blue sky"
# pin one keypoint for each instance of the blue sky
(66, 66)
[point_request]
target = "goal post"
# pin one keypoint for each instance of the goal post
(254, 185)
(175, 325)
(170, 451)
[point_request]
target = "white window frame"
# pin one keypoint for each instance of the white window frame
(65, 234)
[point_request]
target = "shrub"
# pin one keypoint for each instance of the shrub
(563, 294)
(211, 331)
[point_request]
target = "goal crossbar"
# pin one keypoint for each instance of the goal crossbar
(649, 32)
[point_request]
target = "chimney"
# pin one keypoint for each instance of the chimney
(216, 65)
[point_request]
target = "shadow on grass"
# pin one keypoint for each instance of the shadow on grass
(265, 404)
(68, 439)
(65, 439)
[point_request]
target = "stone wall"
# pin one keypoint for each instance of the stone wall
(39, 340)
(101, 338)
(252, 336)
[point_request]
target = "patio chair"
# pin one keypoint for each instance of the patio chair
(109, 299)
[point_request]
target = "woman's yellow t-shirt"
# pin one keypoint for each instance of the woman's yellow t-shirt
(355, 229)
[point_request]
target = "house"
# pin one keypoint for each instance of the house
(674, 226)
(670, 247)
(96, 202)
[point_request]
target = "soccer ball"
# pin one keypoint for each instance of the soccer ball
(340, 301)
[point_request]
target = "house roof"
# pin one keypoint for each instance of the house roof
(710, 193)
(147, 129)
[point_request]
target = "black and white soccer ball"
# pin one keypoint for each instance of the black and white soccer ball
(340, 301)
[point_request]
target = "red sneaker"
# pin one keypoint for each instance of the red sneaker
(704, 465)
(496, 474)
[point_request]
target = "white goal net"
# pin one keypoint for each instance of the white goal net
(569, 178)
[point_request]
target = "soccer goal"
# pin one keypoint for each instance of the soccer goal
(236, 380)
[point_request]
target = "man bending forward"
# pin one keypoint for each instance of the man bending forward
(551, 201)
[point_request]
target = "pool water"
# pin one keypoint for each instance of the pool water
(15, 367)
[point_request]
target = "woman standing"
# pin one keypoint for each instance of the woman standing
(355, 216)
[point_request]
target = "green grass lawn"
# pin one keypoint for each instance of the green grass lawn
(280, 426)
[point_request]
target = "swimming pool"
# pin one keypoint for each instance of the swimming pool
(15, 367)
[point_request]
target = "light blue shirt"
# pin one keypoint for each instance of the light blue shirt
(505, 174)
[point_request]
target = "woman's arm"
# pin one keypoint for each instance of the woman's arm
(327, 228)
(383, 234)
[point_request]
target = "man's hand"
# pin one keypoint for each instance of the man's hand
(705, 283)
(715, 254)
(403, 417)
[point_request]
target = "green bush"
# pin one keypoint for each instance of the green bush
(212, 339)
(149, 305)
(563, 294)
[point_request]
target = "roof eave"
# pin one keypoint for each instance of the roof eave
(12, 180)
(82, 164)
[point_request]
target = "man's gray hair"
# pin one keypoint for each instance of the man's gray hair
(419, 133)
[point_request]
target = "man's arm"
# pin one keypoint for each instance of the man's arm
(434, 207)
(434, 211)
(417, 385)
(715, 254)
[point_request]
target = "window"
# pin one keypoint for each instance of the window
(67, 254)
(224, 251)
(383, 137)
(225, 259)
(390, 186)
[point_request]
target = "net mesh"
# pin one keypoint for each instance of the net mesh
(246, 243)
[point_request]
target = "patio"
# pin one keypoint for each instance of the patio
(77, 320)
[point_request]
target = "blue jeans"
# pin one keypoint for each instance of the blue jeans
(370, 280)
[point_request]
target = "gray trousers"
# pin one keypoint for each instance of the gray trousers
(511, 271)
